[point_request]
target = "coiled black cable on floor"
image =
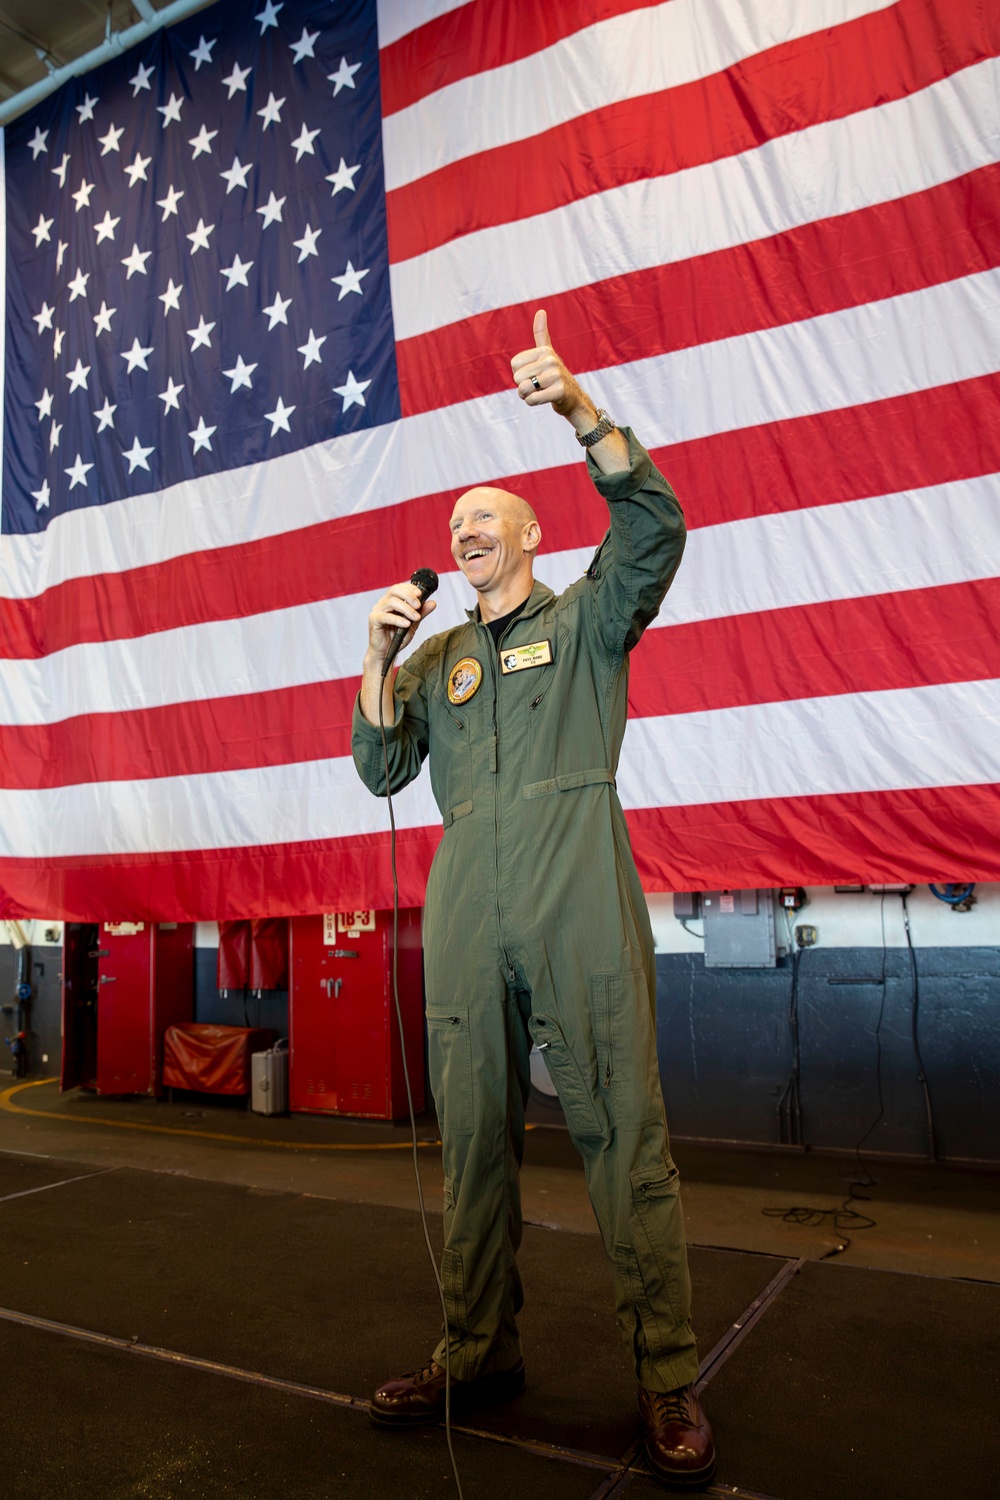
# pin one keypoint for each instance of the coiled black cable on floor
(409, 1098)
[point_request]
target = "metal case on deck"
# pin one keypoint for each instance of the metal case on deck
(269, 1082)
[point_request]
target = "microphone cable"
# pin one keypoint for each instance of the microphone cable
(409, 1093)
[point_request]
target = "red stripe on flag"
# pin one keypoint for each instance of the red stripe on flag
(481, 36)
(828, 75)
(906, 442)
(849, 838)
(275, 880)
(935, 833)
(905, 640)
(927, 238)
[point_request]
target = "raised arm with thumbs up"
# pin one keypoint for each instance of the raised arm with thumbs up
(543, 380)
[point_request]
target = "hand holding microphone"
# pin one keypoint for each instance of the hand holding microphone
(398, 603)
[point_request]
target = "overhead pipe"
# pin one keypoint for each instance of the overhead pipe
(115, 43)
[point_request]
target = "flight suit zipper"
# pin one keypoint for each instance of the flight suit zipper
(493, 656)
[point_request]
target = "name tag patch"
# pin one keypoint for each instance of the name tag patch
(518, 658)
(464, 680)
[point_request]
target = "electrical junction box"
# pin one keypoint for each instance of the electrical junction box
(739, 929)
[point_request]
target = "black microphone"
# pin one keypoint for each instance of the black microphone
(426, 580)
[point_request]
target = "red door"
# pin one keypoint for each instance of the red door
(124, 1009)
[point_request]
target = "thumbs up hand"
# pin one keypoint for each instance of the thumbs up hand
(543, 380)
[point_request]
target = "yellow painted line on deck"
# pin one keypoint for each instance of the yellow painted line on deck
(7, 1103)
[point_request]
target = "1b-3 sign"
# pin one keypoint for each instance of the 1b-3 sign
(349, 922)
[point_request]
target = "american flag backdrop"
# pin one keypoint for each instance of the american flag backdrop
(263, 276)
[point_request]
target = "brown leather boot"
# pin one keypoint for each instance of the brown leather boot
(679, 1442)
(418, 1399)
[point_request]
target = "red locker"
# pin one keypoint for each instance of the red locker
(345, 1057)
(144, 982)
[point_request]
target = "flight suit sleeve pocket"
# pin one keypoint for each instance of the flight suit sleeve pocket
(449, 1063)
(579, 1094)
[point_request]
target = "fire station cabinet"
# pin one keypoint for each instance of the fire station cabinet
(345, 1056)
(123, 984)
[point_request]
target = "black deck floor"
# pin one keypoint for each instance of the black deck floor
(164, 1336)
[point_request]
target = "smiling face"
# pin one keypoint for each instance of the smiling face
(494, 537)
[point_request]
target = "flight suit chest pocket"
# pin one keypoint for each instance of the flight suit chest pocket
(451, 759)
(449, 1064)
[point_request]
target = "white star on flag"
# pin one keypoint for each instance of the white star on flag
(278, 310)
(137, 456)
(200, 336)
(343, 177)
(307, 244)
(37, 142)
(57, 342)
(136, 261)
(237, 79)
(271, 211)
(43, 318)
(199, 235)
(82, 195)
(202, 436)
(304, 48)
(349, 282)
(137, 169)
(77, 377)
(236, 274)
(55, 432)
(271, 113)
(110, 141)
(86, 112)
(311, 349)
(137, 355)
(45, 405)
(169, 203)
(237, 175)
(171, 298)
(63, 247)
(41, 497)
(344, 76)
(303, 143)
(352, 391)
(60, 171)
(102, 319)
(171, 111)
(106, 415)
(78, 473)
(269, 15)
(240, 375)
(141, 79)
(202, 142)
(169, 396)
(203, 52)
(106, 227)
(78, 285)
(41, 230)
(279, 417)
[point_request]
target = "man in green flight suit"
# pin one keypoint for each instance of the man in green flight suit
(535, 925)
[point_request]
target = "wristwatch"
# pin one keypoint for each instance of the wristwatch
(605, 424)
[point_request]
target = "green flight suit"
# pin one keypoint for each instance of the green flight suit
(536, 928)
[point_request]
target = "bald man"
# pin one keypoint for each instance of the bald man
(535, 926)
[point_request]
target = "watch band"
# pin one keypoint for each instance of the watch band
(605, 424)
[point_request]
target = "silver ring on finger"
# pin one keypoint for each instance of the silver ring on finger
(536, 382)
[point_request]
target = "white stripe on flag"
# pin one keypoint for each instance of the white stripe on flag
(640, 52)
(945, 735)
(835, 168)
(931, 337)
(945, 534)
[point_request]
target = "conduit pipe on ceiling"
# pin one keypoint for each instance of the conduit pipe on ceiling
(117, 42)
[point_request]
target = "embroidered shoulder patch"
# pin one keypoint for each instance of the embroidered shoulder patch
(464, 680)
(517, 658)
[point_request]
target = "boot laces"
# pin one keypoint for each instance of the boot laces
(673, 1406)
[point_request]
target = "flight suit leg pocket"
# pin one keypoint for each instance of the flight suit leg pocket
(626, 1048)
(579, 1094)
(658, 1239)
(449, 1061)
